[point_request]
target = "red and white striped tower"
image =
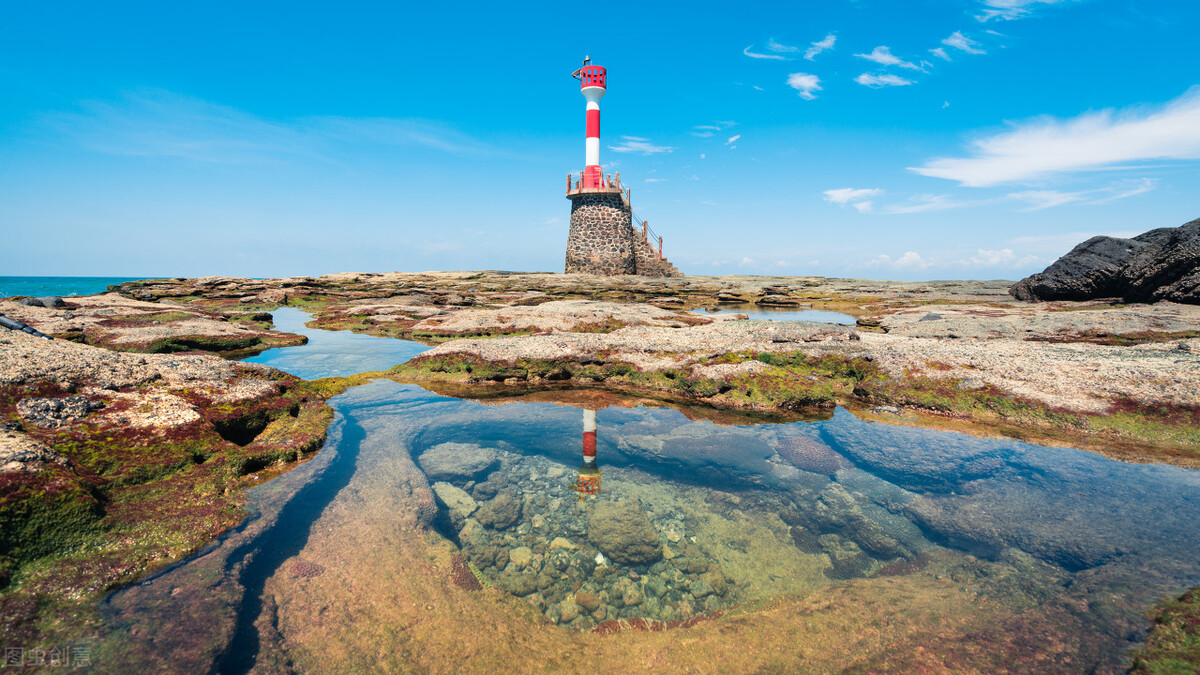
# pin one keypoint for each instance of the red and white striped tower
(593, 82)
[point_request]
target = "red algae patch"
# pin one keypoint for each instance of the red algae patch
(461, 574)
(303, 569)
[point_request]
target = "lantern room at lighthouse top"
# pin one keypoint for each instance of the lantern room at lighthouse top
(593, 76)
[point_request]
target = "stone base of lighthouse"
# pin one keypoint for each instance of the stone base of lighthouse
(601, 237)
(602, 240)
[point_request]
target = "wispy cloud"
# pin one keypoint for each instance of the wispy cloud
(881, 80)
(845, 196)
(962, 43)
(707, 130)
(1007, 10)
(760, 55)
(819, 46)
(639, 145)
(926, 203)
(733, 139)
(780, 48)
(883, 55)
(805, 84)
(1044, 199)
(1099, 140)
(158, 123)
(940, 52)
(778, 51)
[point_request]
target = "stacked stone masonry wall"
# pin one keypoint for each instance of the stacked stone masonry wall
(602, 240)
(601, 237)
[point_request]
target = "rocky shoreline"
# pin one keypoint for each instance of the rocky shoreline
(133, 406)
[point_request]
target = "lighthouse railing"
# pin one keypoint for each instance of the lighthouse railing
(577, 183)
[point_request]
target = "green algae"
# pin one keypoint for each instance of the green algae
(133, 500)
(1173, 647)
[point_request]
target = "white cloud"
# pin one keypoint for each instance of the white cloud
(805, 84)
(780, 49)
(886, 80)
(1098, 140)
(820, 46)
(759, 55)
(733, 139)
(658, 180)
(910, 260)
(927, 203)
(845, 196)
(962, 43)
(748, 261)
(990, 258)
(1007, 10)
(864, 207)
(1044, 199)
(884, 56)
(707, 130)
(940, 52)
(640, 145)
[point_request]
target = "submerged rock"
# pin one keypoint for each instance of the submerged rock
(500, 512)
(450, 461)
(459, 502)
(622, 532)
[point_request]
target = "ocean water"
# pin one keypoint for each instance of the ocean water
(61, 286)
(782, 314)
(674, 520)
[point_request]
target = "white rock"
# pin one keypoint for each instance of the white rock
(520, 556)
(459, 502)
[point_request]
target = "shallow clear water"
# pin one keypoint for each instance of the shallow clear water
(332, 353)
(687, 518)
(782, 314)
(61, 286)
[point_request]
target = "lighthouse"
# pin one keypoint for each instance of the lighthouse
(593, 83)
(602, 239)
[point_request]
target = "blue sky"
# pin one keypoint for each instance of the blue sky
(867, 138)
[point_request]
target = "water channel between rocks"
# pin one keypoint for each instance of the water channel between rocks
(636, 513)
(781, 313)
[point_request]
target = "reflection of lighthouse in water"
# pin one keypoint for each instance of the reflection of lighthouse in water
(589, 473)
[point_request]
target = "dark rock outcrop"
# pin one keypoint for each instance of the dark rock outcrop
(1162, 264)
